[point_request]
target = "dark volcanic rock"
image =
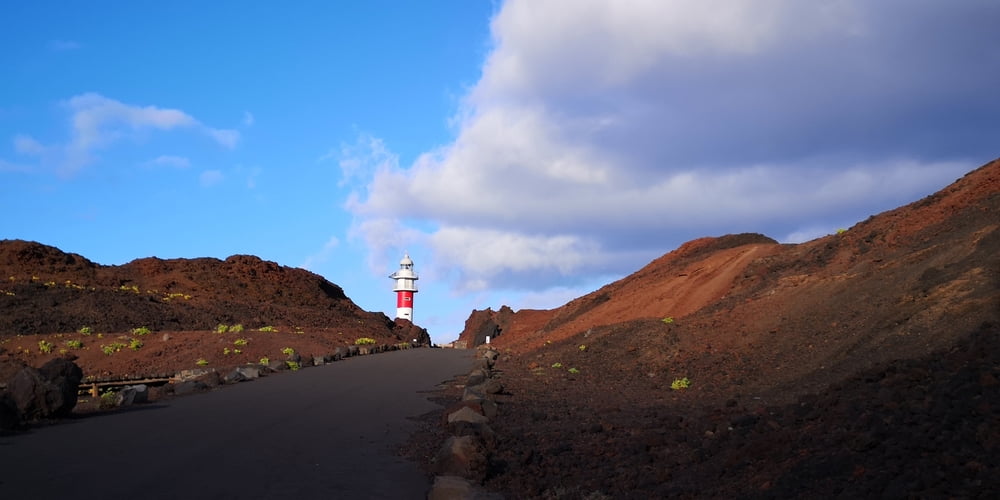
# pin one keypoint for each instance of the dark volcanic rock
(65, 375)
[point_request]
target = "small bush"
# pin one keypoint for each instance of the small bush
(293, 365)
(135, 344)
(288, 351)
(240, 342)
(142, 330)
(574, 371)
(668, 320)
(112, 348)
(45, 346)
(86, 330)
(364, 341)
(226, 351)
(583, 348)
(265, 361)
(557, 365)
(220, 328)
(236, 328)
(680, 383)
(109, 399)
(74, 344)
(267, 329)
(201, 362)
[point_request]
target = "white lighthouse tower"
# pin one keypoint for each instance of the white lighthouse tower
(406, 286)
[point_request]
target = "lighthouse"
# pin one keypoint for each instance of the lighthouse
(406, 286)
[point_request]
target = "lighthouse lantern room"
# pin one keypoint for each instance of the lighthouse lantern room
(406, 286)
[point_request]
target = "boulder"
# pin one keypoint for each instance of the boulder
(35, 397)
(66, 376)
(318, 361)
(482, 432)
(188, 387)
(133, 394)
(9, 418)
(352, 350)
(466, 414)
(458, 488)
(338, 354)
(491, 386)
(476, 377)
(241, 374)
(463, 456)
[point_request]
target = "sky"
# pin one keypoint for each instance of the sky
(522, 152)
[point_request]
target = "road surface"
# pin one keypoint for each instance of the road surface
(323, 432)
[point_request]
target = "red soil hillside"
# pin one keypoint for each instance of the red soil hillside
(48, 296)
(864, 336)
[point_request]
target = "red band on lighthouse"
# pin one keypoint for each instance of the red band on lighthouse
(404, 299)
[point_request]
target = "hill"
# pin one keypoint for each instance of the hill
(82, 308)
(874, 335)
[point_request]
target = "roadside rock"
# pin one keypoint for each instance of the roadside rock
(47, 392)
(458, 488)
(463, 456)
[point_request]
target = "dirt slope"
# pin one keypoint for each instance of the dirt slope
(764, 333)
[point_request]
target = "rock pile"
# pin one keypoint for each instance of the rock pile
(463, 460)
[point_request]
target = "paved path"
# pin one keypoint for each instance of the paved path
(323, 432)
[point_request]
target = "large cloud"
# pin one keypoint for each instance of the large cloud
(603, 133)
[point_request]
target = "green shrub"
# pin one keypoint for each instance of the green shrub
(86, 330)
(74, 344)
(236, 328)
(265, 361)
(680, 383)
(109, 399)
(225, 351)
(135, 344)
(240, 342)
(293, 365)
(573, 371)
(201, 362)
(112, 348)
(668, 320)
(142, 330)
(583, 348)
(267, 329)
(557, 365)
(288, 351)
(45, 346)
(221, 328)
(364, 341)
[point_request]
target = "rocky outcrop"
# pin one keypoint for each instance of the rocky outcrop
(31, 394)
(485, 324)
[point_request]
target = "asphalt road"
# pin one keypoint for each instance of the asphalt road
(323, 432)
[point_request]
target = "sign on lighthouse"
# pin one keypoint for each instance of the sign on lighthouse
(406, 286)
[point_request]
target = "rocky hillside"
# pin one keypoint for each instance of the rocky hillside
(736, 367)
(172, 294)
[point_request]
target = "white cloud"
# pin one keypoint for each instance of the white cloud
(362, 159)
(97, 122)
(604, 133)
(170, 161)
(6, 166)
(323, 255)
(210, 178)
(25, 144)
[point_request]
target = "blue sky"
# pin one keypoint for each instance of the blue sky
(523, 152)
